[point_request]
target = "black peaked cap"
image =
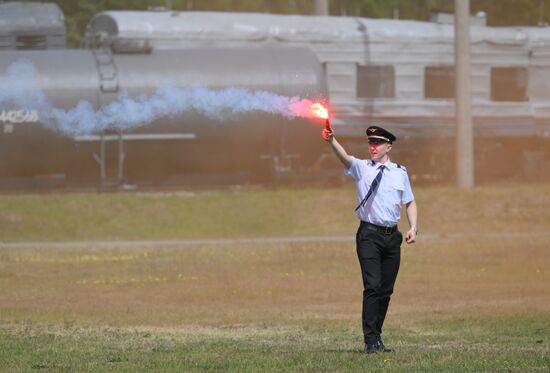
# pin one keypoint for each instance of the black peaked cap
(379, 135)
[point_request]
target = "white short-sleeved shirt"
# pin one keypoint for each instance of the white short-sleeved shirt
(384, 205)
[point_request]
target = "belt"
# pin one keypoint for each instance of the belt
(379, 228)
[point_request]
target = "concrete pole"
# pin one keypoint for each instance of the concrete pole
(463, 97)
(321, 7)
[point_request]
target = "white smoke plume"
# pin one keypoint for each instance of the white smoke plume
(19, 88)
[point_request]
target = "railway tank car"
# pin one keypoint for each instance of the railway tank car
(397, 73)
(188, 148)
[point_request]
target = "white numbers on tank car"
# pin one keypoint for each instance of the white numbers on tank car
(11, 117)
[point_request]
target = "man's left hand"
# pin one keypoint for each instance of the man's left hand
(410, 237)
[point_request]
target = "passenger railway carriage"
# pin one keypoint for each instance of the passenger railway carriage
(396, 73)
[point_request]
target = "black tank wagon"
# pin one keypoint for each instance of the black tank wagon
(187, 148)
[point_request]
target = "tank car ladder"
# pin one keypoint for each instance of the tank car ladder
(110, 178)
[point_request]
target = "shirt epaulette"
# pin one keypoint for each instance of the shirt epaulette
(401, 167)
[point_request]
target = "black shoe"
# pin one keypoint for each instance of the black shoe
(372, 348)
(384, 348)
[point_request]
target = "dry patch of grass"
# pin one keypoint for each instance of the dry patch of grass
(521, 208)
(275, 284)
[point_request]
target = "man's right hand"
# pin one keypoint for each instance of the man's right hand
(327, 134)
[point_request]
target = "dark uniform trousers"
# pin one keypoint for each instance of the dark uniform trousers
(379, 253)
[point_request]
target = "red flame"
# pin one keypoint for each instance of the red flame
(319, 110)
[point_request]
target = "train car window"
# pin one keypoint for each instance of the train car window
(439, 82)
(375, 81)
(30, 42)
(6, 41)
(509, 84)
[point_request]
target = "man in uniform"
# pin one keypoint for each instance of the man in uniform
(382, 186)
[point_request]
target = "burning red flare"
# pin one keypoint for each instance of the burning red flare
(304, 108)
(319, 110)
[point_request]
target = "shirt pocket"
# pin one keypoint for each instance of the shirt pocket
(397, 188)
(397, 184)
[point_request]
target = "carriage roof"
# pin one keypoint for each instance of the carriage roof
(296, 28)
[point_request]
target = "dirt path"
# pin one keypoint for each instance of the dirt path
(244, 240)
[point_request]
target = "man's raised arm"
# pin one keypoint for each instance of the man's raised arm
(338, 149)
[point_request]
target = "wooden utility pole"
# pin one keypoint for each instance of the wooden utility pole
(463, 97)
(321, 7)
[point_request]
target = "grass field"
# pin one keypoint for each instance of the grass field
(259, 213)
(472, 294)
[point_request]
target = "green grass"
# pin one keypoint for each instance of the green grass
(127, 216)
(259, 213)
(494, 344)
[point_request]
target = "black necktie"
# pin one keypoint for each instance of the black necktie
(373, 187)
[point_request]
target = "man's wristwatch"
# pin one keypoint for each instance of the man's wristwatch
(414, 230)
